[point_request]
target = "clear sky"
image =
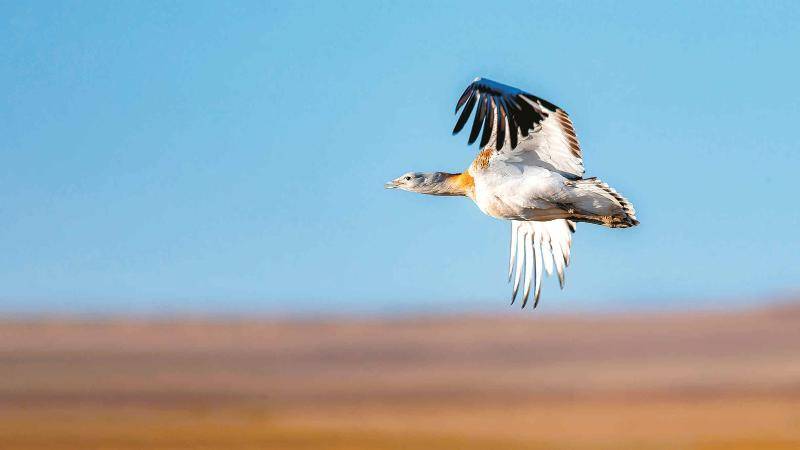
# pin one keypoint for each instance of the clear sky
(211, 156)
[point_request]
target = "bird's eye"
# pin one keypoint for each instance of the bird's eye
(408, 178)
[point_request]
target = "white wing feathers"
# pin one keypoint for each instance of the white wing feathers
(538, 244)
(554, 145)
(521, 127)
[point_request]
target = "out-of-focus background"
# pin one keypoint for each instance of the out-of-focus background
(656, 381)
(197, 251)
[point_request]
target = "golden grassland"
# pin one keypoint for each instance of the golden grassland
(708, 380)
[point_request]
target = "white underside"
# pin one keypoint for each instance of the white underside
(526, 193)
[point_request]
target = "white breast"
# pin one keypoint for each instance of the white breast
(516, 193)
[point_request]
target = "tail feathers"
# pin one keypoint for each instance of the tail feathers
(599, 203)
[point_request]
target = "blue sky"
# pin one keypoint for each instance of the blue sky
(211, 156)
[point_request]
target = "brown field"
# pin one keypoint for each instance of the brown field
(526, 381)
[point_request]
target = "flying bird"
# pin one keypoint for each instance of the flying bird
(529, 171)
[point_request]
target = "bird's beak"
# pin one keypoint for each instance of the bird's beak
(391, 185)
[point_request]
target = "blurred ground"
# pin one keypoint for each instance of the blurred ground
(525, 381)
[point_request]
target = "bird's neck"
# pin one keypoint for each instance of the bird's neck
(454, 184)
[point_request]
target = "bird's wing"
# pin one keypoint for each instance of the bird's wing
(537, 244)
(520, 127)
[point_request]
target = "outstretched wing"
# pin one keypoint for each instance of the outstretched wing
(521, 127)
(537, 244)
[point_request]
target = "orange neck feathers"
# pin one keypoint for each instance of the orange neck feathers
(459, 184)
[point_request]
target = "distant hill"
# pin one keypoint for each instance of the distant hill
(678, 380)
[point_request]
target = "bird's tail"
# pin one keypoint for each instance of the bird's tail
(596, 202)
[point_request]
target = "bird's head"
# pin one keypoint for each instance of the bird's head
(411, 181)
(424, 183)
(434, 183)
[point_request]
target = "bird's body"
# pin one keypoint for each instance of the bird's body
(529, 171)
(527, 193)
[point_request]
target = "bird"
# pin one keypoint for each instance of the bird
(529, 171)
